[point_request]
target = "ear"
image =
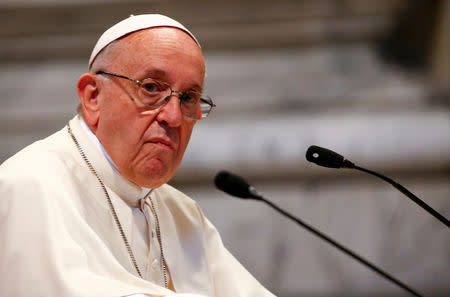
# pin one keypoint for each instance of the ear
(88, 88)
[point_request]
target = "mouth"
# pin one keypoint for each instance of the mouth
(162, 143)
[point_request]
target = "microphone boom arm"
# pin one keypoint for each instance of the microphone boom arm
(408, 194)
(340, 247)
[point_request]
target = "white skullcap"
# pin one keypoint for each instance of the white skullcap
(132, 24)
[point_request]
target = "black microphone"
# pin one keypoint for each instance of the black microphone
(327, 158)
(238, 187)
(235, 186)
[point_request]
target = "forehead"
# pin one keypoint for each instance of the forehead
(161, 50)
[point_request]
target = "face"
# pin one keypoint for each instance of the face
(147, 145)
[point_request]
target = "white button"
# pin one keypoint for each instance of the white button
(155, 263)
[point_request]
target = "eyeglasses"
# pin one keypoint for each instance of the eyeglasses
(154, 94)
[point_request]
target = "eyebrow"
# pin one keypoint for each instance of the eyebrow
(161, 74)
(154, 73)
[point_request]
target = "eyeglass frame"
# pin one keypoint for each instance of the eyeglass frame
(206, 99)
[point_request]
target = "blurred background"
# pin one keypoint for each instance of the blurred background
(369, 79)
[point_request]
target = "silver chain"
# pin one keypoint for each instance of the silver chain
(111, 206)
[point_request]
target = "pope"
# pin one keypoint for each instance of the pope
(88, 212)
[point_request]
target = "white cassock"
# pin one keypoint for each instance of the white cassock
(58, 236)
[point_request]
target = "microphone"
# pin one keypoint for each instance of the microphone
(327, 158)
(238, 187)
(235, 186)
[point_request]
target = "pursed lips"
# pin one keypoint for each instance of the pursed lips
(162, 142)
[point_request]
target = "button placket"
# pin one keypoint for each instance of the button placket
(154, 266)
(143, 207)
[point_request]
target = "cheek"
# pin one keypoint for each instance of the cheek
(125, 130)
(185, 136)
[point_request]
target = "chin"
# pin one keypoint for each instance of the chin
(151, 181)
(153, 175)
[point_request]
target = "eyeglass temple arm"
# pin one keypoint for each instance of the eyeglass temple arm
(119, 75)
(209, 101)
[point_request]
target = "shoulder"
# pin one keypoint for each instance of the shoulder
(35, 169)
(178, 202)
(170, 195)
(37, 158)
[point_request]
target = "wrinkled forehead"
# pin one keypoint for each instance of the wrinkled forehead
(156, 46)
(133, 24)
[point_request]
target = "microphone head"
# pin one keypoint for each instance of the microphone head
(324, 157)
(235, 185)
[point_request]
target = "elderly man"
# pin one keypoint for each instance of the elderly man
(86, 211)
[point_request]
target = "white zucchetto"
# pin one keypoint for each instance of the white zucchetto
(132, 24)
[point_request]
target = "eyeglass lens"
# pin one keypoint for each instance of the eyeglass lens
(155, 93)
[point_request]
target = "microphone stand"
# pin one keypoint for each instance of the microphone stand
(407, 194)
(336, 244)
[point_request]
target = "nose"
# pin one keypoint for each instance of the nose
(171, 111)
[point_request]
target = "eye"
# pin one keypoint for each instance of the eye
(186, 97)
(190, 97)
(151, 91)
(152, 87)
